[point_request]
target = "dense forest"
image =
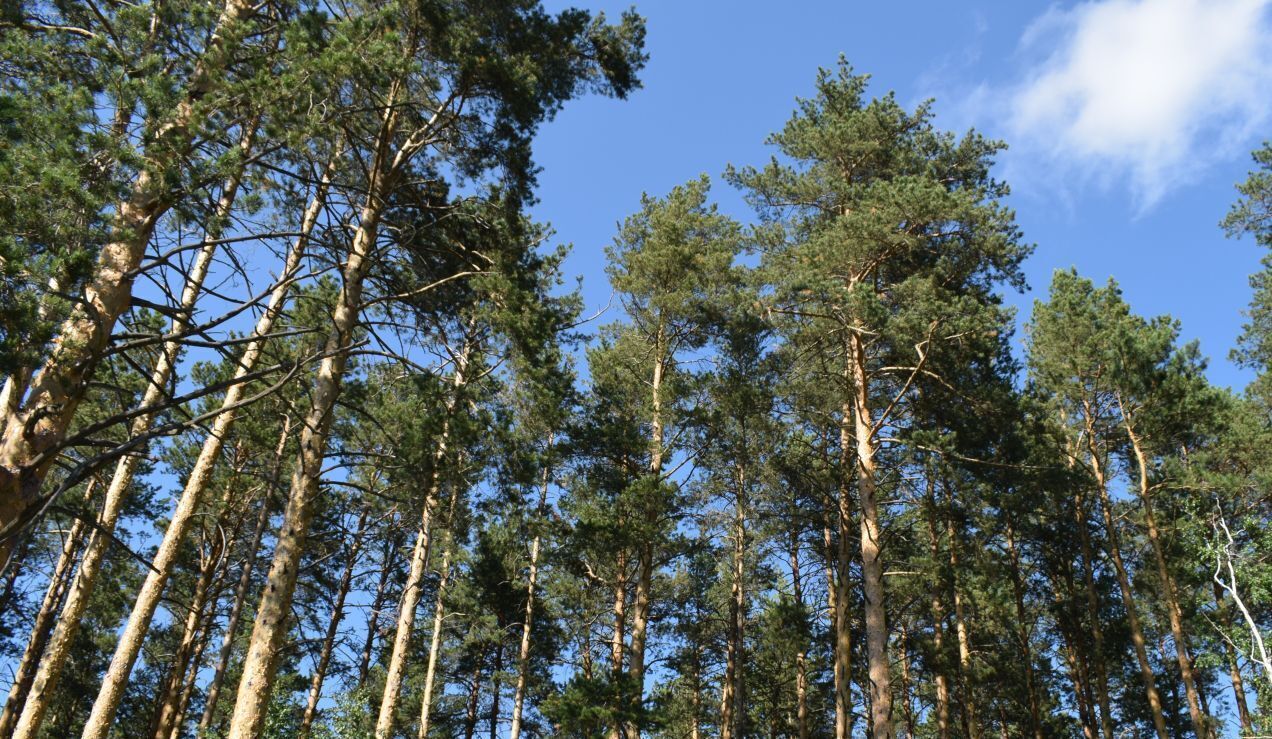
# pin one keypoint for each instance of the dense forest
(305, 433)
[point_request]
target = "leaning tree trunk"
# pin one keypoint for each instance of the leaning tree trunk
(878, 664)
(143, 611)
(121, 482)
(45, 621)
(1234, 667)
(1169, 592)
(240, 590)
(1128, 596)
(30, 434)
(414, 585)
(439, 615)
(333, 628)
(260, 664)
(523, 649)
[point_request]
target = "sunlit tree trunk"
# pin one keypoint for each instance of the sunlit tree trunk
(961, 629)
(413, 587)
(532, 576)
(333, 627)
(30, 432)
(240, 589)
(45, 620)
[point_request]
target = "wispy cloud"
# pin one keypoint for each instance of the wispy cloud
(1145, 93)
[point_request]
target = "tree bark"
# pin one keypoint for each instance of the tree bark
(28, 435)
(1124, 587)
(45, 620)
(121, 482)
(801, 656)
(940, 679)
(169, 705)
(733, 700)
(240, 590)
(1022, 635)
(333, 627)
(1234, 667)
(878, 664)
(143, 611)
(532, 576)
(260, 664)
(377, 603)
(973, 726)
(435, 644)
(413, 588)
(1169, 592)
(841, 583)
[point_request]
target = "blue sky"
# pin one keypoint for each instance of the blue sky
(1129, 122)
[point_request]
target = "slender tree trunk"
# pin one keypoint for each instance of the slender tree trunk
(45, 620)
(616, 639)
(377, 604)
(470, 716)
(1234, 667)
(183, 517)
(1169, 593)
(40, 425)
(643, 597)
(1093, 616)
(974, 729)
(907, 702)
(435, 645)
(165, 718)
(841, 583)
(270, 627)
(496, 688)
(733, 701)
(240, 590)
(1128, 596)
(878, 664)
(801, 656)
(121, 482)
(1022, 635)
(192, 678)
(333, 627)
(413, 588)
(940, 679)
(523, 649)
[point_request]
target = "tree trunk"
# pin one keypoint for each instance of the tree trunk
(1093, 615)
(143, 611)
(973, 726)
(1234, 667)
(377, 603)
(643, 597)
(1169, 593)
(240, 590)
(616, 639)
(733, 700)
(941, 679)
(45, 620)
(39, 426)
(270, 627)
(170, 704)
(412, 590)
(333, 627)
(121, 482)
(1022, 635)
(435, 644)
(1128, 596)
(841, 583)
(801, 656)
(878, 664)
(523, 649)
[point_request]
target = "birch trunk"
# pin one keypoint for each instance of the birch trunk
(30, 433)
(1234, 667)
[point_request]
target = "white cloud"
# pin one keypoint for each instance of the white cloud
(1146, 92)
